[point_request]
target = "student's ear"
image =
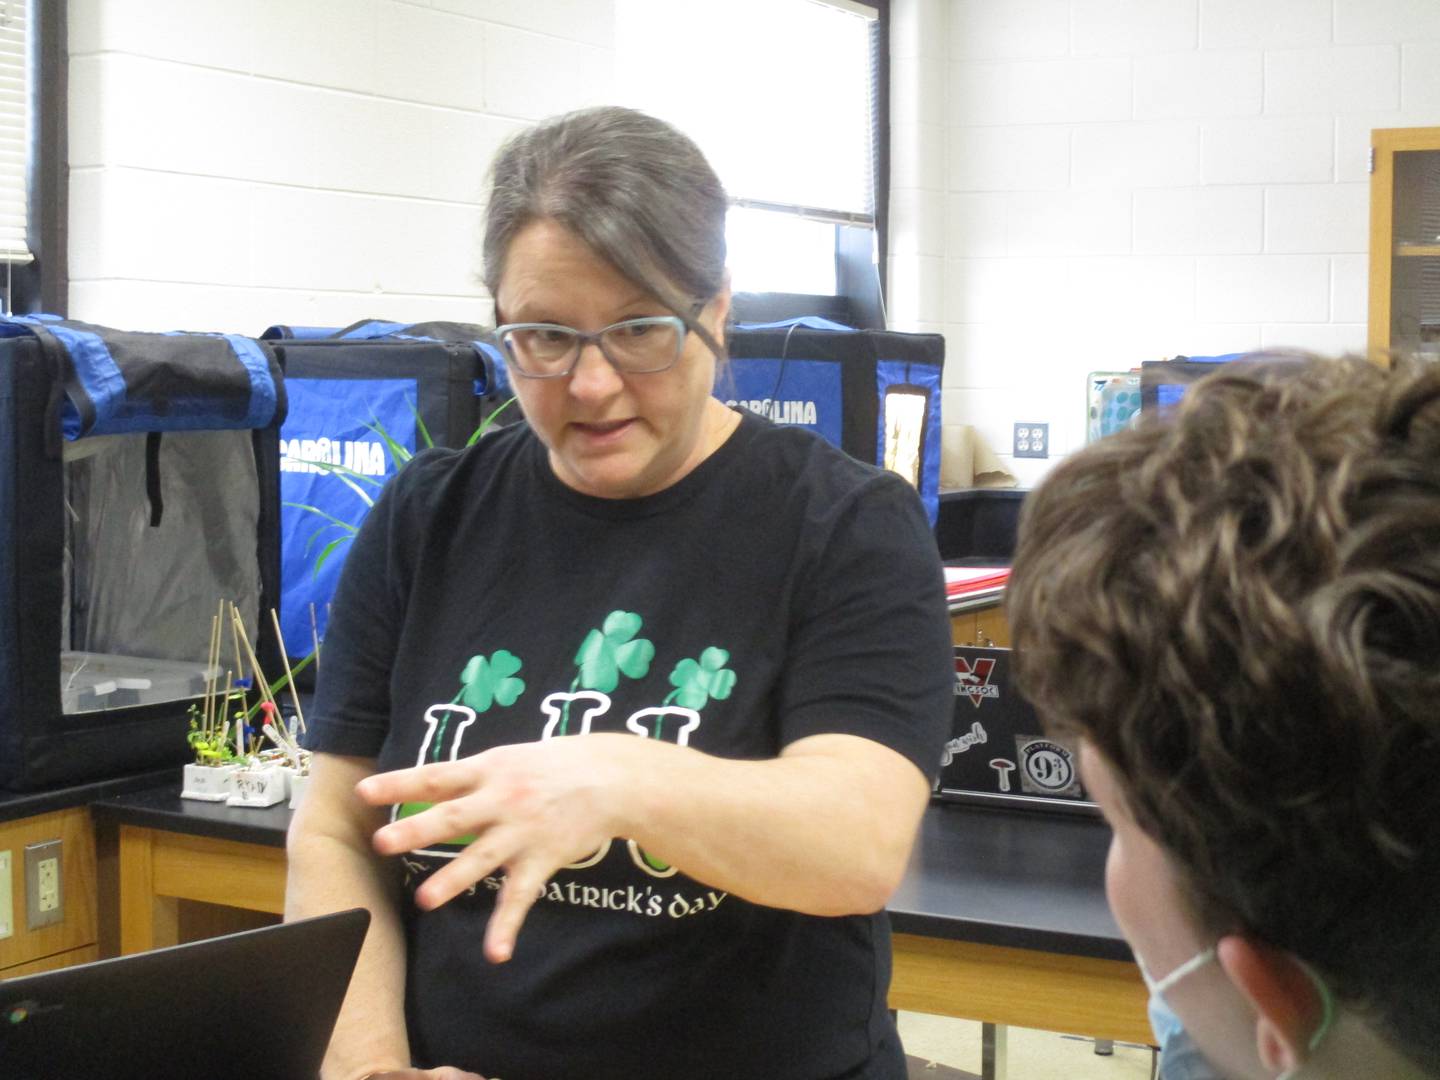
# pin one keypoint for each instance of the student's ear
(1289, 1008)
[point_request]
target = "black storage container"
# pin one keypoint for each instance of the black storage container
(873, 393)
(137, 493)
(978, 526)
(361, 401)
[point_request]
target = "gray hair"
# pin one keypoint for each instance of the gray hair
(638, 192)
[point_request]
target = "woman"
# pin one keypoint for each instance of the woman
(628, 712)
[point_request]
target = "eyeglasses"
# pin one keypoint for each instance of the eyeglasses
(634, 346)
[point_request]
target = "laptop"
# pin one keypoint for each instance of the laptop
(998, 754)
(252, 1005)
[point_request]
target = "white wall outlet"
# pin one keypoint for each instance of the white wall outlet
(49, 887)
(7, 897)
(44, 890)
(1032, 440)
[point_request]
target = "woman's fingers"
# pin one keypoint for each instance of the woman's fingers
(517, 896)
(495, 848)
(529, 808)
(422, 783)
(459, 820)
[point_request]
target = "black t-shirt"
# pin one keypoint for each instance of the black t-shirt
(779, 590)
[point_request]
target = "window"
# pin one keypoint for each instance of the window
(32, 139)
(14, 133)
(786, 98)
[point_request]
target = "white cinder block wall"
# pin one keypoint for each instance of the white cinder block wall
(1082, 185)
(312, 162)
(1077, 184)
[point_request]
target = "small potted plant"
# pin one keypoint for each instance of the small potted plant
(231, 762)
(211, 776)
(260, 781)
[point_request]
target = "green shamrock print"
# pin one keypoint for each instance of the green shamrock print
(485, 682)
(613, 650)
(696, 682)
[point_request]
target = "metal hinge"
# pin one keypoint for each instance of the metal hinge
(1372, 160)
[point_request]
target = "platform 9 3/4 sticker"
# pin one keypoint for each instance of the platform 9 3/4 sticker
(1047, 767)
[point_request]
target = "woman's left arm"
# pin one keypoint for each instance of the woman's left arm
(826, 828)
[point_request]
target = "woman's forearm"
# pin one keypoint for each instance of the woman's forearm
(825, 829)
(331, 866)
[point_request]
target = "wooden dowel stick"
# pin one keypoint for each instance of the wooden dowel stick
(217, 647)
(236, 633)
(206, 712)
(261, 682)
(289, 675)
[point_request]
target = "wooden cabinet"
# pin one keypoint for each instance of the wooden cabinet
(73, 940)
(981, 626)
(1405, 240)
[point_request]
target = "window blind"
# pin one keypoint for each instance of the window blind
(14, 132)
(775, 92)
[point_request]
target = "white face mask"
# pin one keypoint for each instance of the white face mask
(1180, 1058)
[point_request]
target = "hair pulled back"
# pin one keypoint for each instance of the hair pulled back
(634, 189)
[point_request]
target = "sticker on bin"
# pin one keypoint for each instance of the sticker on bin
(1047, 767)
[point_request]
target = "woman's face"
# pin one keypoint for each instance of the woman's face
(609, 434)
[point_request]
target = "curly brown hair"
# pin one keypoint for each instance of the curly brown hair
(1239, 607)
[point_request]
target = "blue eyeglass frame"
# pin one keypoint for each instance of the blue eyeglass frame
(582, 339)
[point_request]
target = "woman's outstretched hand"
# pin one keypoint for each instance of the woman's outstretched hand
(531, 808)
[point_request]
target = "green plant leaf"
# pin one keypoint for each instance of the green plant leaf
(399, 453)
(488, 422)
(316, 537)
(420, 427)
(281, 683)
(327, 551)
(349, 476)
(328, 517)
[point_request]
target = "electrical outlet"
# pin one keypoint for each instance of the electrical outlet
(44, 891)
(49, 887)
(7, 898)
(1032, 440)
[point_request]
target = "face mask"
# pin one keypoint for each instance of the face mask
(1180, 1058)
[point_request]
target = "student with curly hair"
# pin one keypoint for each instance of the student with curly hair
(1236, 610)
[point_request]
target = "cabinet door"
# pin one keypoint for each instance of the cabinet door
(1405, 240)
(983, 626)
(992, 628)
